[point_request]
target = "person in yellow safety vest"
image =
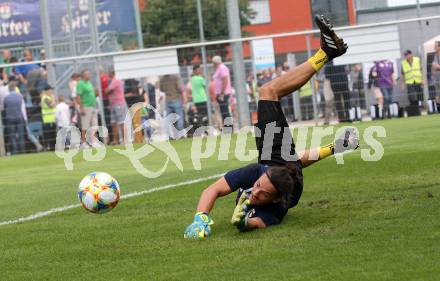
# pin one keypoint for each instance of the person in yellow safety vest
(305, 94)
(48, 104)
(412, 77)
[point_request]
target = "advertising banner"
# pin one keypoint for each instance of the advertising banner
(263, 53)
(20, 19)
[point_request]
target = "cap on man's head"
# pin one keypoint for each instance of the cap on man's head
(407, 52)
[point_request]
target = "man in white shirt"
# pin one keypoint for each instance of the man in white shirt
(62, 113)
(62, 117)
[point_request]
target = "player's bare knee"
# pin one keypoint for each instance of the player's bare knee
(267, 92)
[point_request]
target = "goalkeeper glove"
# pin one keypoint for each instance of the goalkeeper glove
(331, 45)
(239, 218)
(347, 141)
(200, 227)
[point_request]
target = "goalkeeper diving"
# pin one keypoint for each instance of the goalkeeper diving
(269, 188)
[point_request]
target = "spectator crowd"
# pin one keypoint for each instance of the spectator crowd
(32, 113)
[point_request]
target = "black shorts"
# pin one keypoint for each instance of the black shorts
(282, 150)
(271, 117)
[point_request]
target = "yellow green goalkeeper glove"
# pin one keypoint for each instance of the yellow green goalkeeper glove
(239, 218)
(200, 228)
(349, 140)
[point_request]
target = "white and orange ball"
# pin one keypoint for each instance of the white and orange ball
(99, 192)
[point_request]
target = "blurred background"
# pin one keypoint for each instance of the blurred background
(205, 60)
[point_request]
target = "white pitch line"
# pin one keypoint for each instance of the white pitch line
(129, 195)
(40, 215)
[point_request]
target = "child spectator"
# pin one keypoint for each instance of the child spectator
(62, 113)
(62, 116)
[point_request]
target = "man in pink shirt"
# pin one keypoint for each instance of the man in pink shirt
(223, 89)
(118, 106)
(216, 116)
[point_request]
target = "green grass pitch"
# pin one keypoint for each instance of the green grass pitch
(358, 221)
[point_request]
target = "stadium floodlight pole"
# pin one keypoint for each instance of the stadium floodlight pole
(48, 47)
(72, 33)
(96, 50)
(205, 64)
(137, 17)
(314, 97)
(238, 63)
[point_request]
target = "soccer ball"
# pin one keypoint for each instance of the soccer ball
(98, 192)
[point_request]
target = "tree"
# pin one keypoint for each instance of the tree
(169, 22)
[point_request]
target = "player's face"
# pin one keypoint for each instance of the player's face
(263, 192)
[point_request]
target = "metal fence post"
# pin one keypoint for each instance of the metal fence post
(47, 39)
(2, 139)
(314, 97)
(205, 65)
(423, 58)
(96, 50)
(137, 16)
(237, 63)
(291, 60)
(72, 34)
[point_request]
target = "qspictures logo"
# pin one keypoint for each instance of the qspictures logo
(206, 146)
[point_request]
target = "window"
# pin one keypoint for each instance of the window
(395, 3)
(262, 8)
(370, 4)
(378, 4)
(335, 10)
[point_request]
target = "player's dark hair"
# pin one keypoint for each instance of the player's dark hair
(284, 179)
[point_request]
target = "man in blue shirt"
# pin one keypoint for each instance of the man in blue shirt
(270, 187)
(23, 70)
(15, 118)
(29, 76)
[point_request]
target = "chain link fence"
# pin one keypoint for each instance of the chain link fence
(368, 84)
